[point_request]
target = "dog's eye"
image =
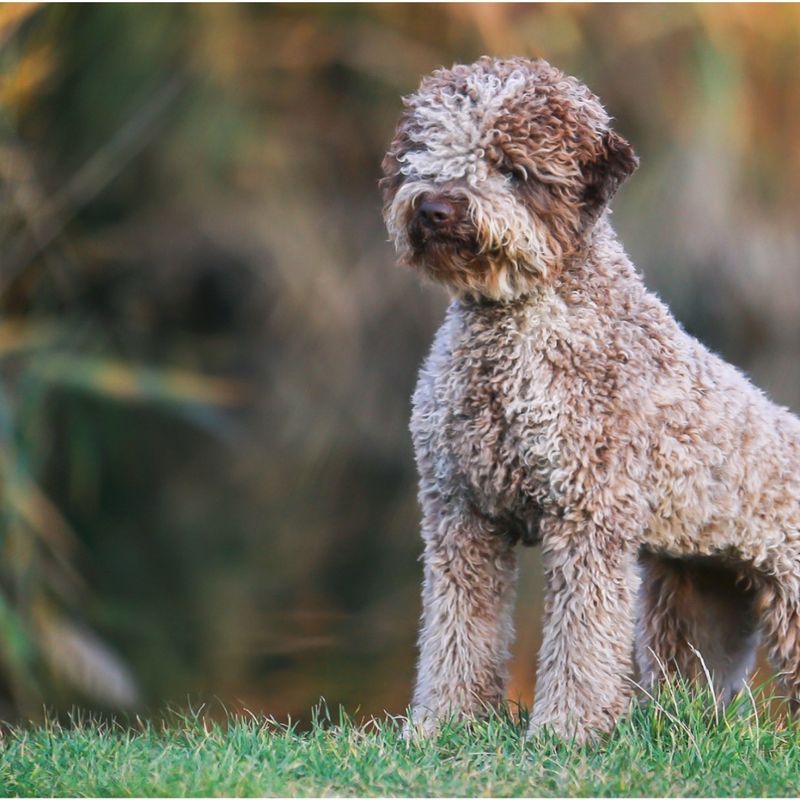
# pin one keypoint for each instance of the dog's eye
(514, 173)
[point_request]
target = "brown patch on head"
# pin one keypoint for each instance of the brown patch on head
(554, 141)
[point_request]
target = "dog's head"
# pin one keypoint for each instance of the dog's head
(497, 173)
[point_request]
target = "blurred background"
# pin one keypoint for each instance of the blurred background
(207, 489)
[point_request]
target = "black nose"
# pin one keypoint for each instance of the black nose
(435, 213)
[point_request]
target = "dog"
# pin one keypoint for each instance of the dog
(561, 404)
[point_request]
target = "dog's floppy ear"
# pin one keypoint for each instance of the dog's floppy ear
(602, 176)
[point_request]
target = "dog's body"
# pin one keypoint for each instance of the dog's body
(562, 404)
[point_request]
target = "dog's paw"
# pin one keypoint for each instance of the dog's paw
(567, 729)
(419, 725)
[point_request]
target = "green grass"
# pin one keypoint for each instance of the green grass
(673, 746)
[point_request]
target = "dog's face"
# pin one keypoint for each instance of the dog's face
(497, 173)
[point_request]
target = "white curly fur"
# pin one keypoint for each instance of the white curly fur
(454, 131)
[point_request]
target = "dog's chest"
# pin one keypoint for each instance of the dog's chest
(486, 413)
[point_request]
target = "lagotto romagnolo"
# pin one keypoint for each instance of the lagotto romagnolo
(561, 404)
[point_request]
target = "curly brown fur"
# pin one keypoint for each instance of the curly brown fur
(562, 403)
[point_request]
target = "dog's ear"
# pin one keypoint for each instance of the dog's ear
(603, 176)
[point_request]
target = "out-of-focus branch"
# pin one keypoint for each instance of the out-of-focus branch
(49, 221)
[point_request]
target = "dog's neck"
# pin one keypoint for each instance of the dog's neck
(599, 274)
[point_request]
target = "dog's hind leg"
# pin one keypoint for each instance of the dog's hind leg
(695, 606)
(780, 620)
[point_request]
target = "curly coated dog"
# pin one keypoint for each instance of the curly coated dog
(562, 404)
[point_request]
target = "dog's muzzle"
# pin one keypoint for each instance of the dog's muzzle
(436, 218)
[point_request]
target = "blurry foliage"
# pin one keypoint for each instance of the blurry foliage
(47, 352)
(206, 354)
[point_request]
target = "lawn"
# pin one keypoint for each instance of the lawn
(675, 745)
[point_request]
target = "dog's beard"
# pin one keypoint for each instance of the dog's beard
(453, 256)
(447, 257)
(461, 264)
(455, 264)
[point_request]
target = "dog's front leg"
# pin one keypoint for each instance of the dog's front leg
(585, 663)
(467, 626)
